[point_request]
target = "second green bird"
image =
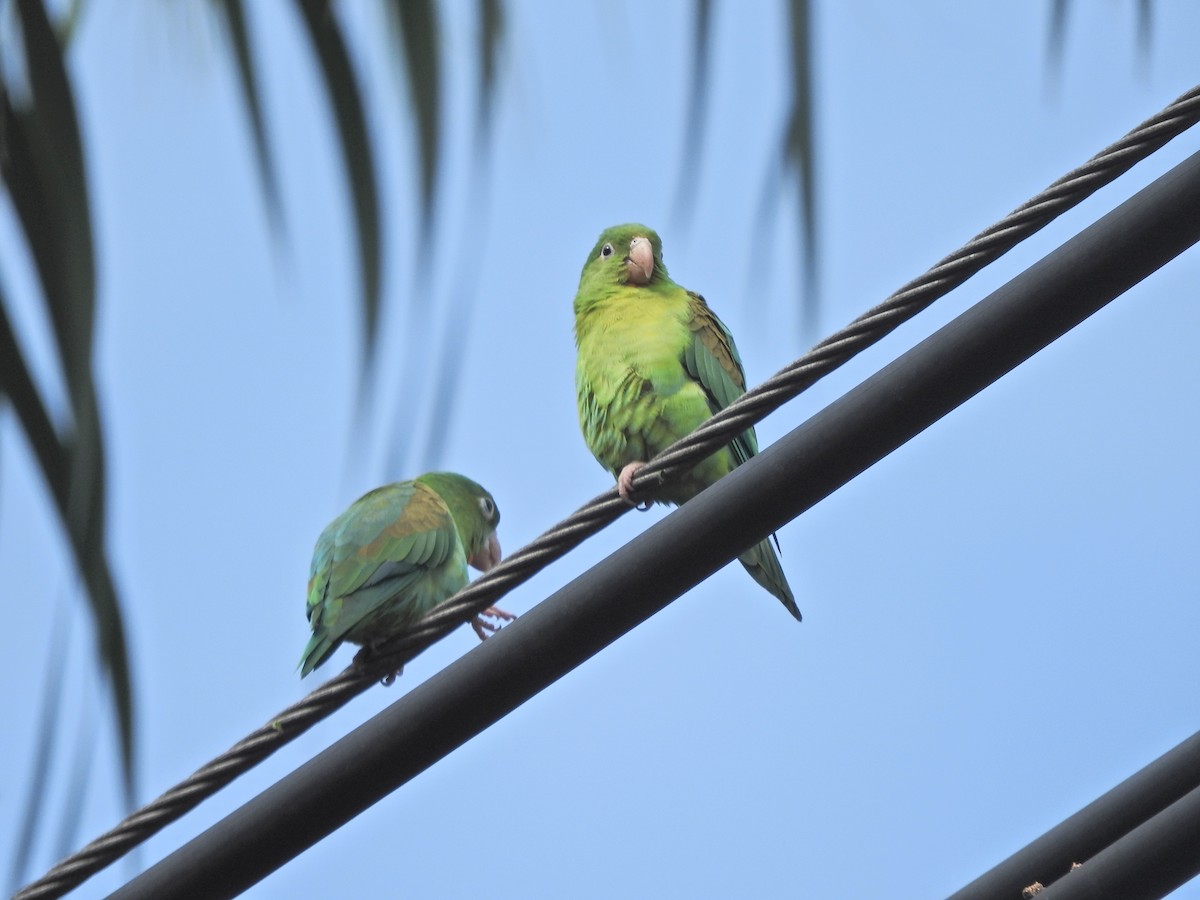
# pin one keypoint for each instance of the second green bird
(654, 363)
(394, 555)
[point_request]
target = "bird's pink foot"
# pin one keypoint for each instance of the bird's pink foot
(625, 482)
(484, 628)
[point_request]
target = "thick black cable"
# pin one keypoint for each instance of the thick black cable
(1101, 823)
(677, 553)
(1151, 861)
(824, 358)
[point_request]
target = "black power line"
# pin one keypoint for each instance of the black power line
(808, 464)
(1151, 861)
(1141, 839)
(1104, 821)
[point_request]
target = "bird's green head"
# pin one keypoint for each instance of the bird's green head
(475, 513)
(624, 254)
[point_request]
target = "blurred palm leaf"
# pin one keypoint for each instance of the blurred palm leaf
(693, 129)
(44, 744)
(460, 305)
(239, 37)
(491, 38)
(414, 26)
(796, 152)
(41, 156)
(337, 73)
(75, 792)
(43, 170)
(1057, 33)
(413, 35)
(798, 148)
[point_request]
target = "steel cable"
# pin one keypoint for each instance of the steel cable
(680, 457)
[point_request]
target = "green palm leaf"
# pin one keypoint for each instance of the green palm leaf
(414, 25)
(346, 98)
(239, 36)
(44, 174)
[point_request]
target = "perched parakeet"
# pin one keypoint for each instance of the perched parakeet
(396, 553)
(654, 363)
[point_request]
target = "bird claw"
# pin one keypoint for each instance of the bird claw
(482, 628)
(362, 662)
(625, 486)
(364, 658)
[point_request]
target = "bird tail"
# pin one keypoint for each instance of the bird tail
(763, 565)
(320, 648)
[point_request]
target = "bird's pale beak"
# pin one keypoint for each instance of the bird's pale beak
(488, 555)
(640, 261)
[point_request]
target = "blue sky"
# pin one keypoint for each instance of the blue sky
(1000, 617)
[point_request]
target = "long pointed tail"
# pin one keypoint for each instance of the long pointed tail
(319, 649)
(763, 565)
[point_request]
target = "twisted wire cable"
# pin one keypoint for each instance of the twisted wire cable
(593, 516)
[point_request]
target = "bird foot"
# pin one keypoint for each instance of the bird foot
(625, 485)
(484, 628)
(362, 662)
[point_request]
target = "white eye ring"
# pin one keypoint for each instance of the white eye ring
(606, 251)
(488, 507)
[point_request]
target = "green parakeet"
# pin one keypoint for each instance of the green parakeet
(654, 363)
(396, 553)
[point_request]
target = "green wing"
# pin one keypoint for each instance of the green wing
(712, 359)
(381, 563)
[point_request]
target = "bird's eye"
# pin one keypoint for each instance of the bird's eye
(488, 507)
(606, 251)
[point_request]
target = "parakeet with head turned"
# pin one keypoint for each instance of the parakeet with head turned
(396, 553)
(654, 362)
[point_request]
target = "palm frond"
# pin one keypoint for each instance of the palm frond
(1056, 34)
(414, 26)
(796, 153)
(239, 35)
(44, 173)
(799, 148)
(693, 129)
(1145, 28)
(76, 790)
(491, 41)
(49, 719)
(345, 97)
